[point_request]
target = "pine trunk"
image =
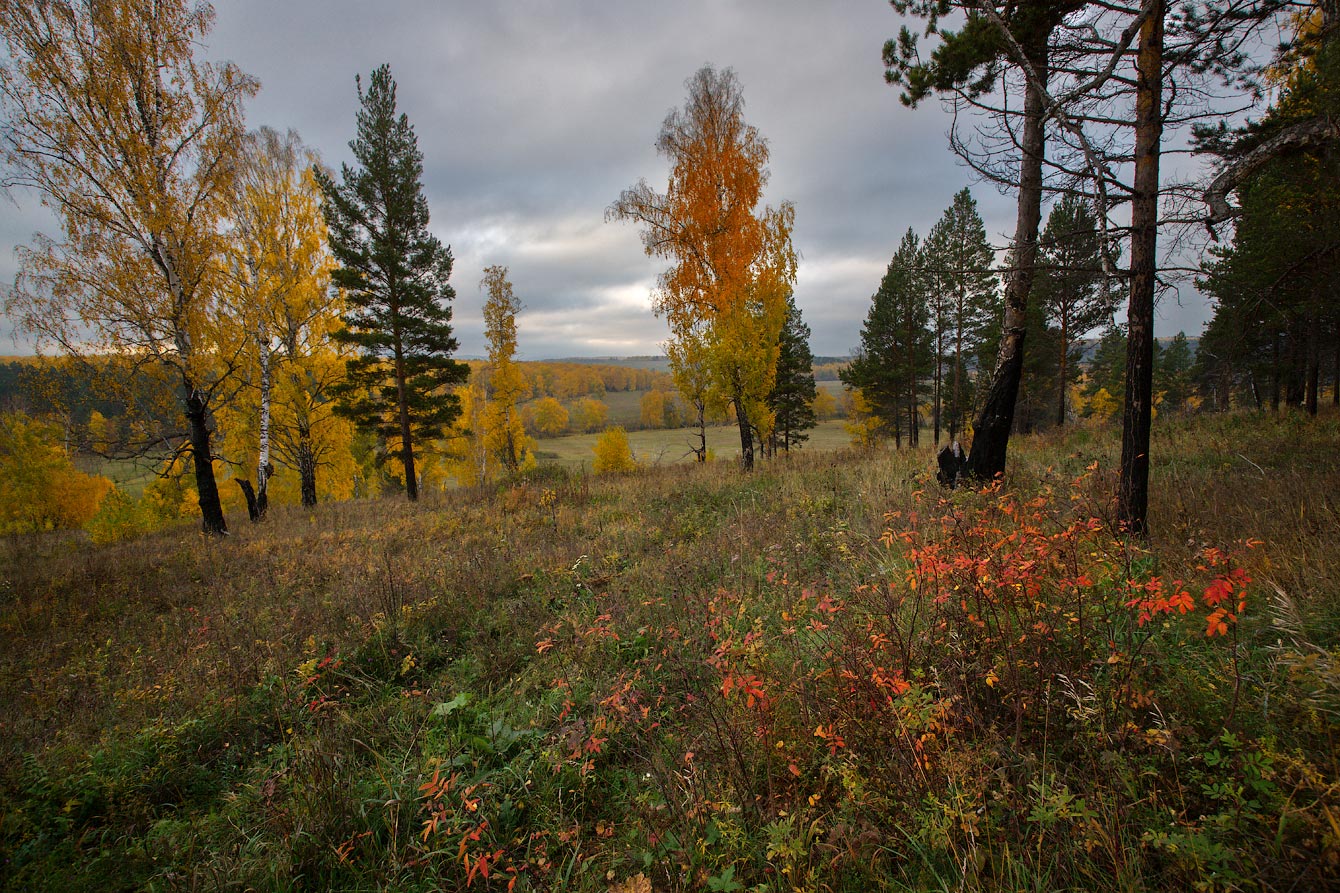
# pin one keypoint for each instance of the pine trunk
(1065, 356)
(991, 435)
(1313, 362)
(406, 443)
(1133, 487)
(956, 407)
(1335, 372)
(1276, 375)
(939, 371)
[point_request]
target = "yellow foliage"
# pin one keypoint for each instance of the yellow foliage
(863, 425)
(545, 416)
(653, 409)
(589, 414)
(725, 295)
(613, 454)
(504, 431)
(1102, 405)
(281, 312)
(824, 404)
(469, 460)
(40, 489)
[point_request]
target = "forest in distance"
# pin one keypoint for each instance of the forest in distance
(1016, 595)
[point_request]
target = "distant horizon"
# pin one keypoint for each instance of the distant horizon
(819, 359)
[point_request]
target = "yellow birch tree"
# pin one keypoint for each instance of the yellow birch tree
(129, 139)
(505, 433)
(284, 312)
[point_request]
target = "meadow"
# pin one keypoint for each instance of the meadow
(663, 446)
(827, 675)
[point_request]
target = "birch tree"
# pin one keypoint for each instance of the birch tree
(285, 312)
(130, 140)
(506, 434)
(732, 263)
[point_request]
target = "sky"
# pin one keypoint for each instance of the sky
(533, 115)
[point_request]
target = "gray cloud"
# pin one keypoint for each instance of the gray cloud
(533, 116)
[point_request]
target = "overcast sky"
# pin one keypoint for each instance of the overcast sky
(533, 115)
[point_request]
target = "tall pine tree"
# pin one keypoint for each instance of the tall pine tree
(958, 261)
(1071, 285)
(395, 275)
(895, 345)
(793, 388)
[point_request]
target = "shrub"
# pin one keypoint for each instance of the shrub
(613, 453)
(39, 487)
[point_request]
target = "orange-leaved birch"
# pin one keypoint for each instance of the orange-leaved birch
(130, 140)
(732, 265)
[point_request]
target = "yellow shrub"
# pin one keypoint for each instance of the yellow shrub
(40, 489)
(613, 453)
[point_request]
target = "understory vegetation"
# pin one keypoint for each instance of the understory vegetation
(828, 675)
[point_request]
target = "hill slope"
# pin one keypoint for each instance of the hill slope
(828, 674)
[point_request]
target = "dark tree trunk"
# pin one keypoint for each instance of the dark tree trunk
(249, 492)
(1335, 372)
(1276, 374)
(1133, 487)
(406, 441)
(1295, 368)
(939, 378)
(991, 436)
(206, 486)
(956, 413)
(307, 468)
(1065, 357)
(746, 436)
(1313, 362)
(700, 431)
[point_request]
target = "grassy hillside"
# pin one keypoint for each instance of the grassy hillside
(828, 675)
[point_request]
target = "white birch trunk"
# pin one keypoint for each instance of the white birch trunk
(263, 463)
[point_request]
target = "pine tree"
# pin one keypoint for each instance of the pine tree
(793, 388)
(958, 262)
(1070, 284)
(1172, 373)
(395, 274)
(895, 346)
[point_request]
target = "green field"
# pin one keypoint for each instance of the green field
(669, 445)
(131, 476)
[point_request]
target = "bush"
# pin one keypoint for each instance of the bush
(613, 453)
(39, 487)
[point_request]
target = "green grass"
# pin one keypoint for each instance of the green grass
(700, 676)
(625, 407)
(129, 475)
(666, 446)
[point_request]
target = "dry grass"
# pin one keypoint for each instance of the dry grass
(99, 644)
